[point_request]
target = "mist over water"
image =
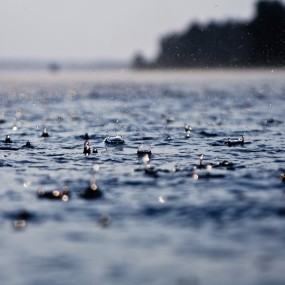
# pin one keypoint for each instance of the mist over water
(164, 218)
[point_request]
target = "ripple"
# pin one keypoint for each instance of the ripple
(142, 206)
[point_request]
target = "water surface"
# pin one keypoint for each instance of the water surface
(174, 224)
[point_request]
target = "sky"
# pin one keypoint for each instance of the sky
(103, 30)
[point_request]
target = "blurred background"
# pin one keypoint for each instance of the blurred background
(90, 34)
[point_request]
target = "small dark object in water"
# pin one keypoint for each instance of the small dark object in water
(169, 120)
(165, 170)
(4, 164)
(282, 177)
(22, 215)
(240, 141)
(9, 148)
(87, 149)
(271, 122)
(140, 169)
(168, 138)
(86, 137)
(146, 138)
(177, 168)
(206, 134)
(207, 175)
(54, 195)
(8, 139)
(91, 192)
(27, 145)
(45, 133)
(151, 171)
(105, 220)
(95, 150)
(187, 128)
(224, 163)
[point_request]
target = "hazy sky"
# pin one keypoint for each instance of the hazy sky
(102, 29)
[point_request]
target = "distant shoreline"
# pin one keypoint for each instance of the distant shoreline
(58, 65)
(145, 76)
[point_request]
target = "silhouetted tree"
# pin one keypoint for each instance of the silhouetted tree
(260, 42)
(268, 34)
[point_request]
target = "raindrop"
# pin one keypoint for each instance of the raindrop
(96, 167)
(161, 199)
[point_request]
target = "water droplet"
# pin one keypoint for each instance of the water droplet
(195, 176)
(96, 167)
(161, 199)
(27, 184)
(65, 198)
(146, 159)
(209, 169)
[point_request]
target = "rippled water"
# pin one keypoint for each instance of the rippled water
(159, 221)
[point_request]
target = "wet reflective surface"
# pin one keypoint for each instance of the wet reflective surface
(181, 200)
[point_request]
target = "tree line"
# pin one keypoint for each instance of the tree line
(257, 43)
